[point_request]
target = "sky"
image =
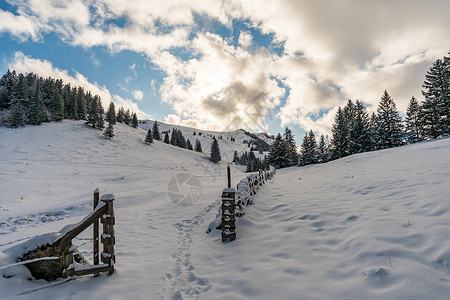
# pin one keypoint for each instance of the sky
(224, 65)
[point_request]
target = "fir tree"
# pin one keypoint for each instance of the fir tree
(174, 137)
(235, 157)
(278, 156)
(292, 156)
(322, 150)
(17, 114)
(109, 131)
(198, 146)
(155, 131)
(413, 131)
(189, 145)
(149, 137)
(215, 152)
(127, 117)
(111, 114)
(37, 114)
(374, 133)
(436, 107)
(340, 132)
(120, 115)
(358, 129)
(166, 138)
(389, 122)
(57, 106)
(308, 152)
(134, 121)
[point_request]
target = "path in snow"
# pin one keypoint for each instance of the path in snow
(183, 282)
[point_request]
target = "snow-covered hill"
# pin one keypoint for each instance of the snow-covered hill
(369, 226)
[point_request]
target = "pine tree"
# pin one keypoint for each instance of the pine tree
(111, 114)
(109, 131)
(215, 152)
(278, 153)
(134, 121)
(57, 106)
(358, 129)
(292, 156)
(322, 150)
(149, 137)
(81, 103)
(166, 138)
(308, 152)
(127, 117)
(413, 131)
(390, 122)
(340, 132)
(37, 114)
(235, 157)
(374, 133)
(189, 145)
(174, 137)
(198, 146)
(436, 107)
(155, 131)
(120, 115)
(17, 114)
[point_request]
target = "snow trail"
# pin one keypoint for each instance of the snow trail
(181, 278)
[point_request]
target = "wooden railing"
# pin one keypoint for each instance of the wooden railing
(234, 201)
(104, 211)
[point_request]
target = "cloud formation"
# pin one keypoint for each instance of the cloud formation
(331, 52)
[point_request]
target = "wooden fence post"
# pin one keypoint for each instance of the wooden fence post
(108, 239)
(228, 215)
(95, 233)
(229, 176)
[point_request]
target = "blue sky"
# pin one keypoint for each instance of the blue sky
(258, 65)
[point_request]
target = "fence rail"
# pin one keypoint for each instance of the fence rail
(234, 201)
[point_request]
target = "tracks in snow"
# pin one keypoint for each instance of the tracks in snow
(181, 278)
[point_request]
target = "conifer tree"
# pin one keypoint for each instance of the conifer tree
(308, 152)
(109, 131)
(111, 114)
(215, 152)
(166, 138)
(292, 156)
(436, 107)
(374, 133)
(155, 131)
(198, 146)
(127, 117)
(340, 132)
(235, 157)
(57, 106)
(17, 114)
(37, 114)
(358, 129)
(413, 131)
(134, 121)
(389, 122)
(322, 150)
(278, 153)
(120, 115)
(149, 137)
(189, 145)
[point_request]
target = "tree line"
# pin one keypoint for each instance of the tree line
(354, 131)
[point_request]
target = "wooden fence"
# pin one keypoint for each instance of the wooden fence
(103, 211)
(234, 201)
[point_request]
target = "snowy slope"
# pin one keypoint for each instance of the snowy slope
(369, 226)
(226, 146)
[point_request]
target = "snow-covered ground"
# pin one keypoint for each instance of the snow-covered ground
(374, 225)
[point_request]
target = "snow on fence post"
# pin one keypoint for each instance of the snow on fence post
(228, 215)
(95, 233)
(108, 239)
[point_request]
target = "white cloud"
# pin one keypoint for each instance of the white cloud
(138, 94)
(333, 51)
(25, 64)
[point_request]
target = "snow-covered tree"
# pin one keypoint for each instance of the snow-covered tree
(109, 131)
(292, 155)
(358, 129)
(278, 156)
(339, 140)
(308, 152)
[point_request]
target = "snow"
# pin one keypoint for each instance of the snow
(369, 226)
